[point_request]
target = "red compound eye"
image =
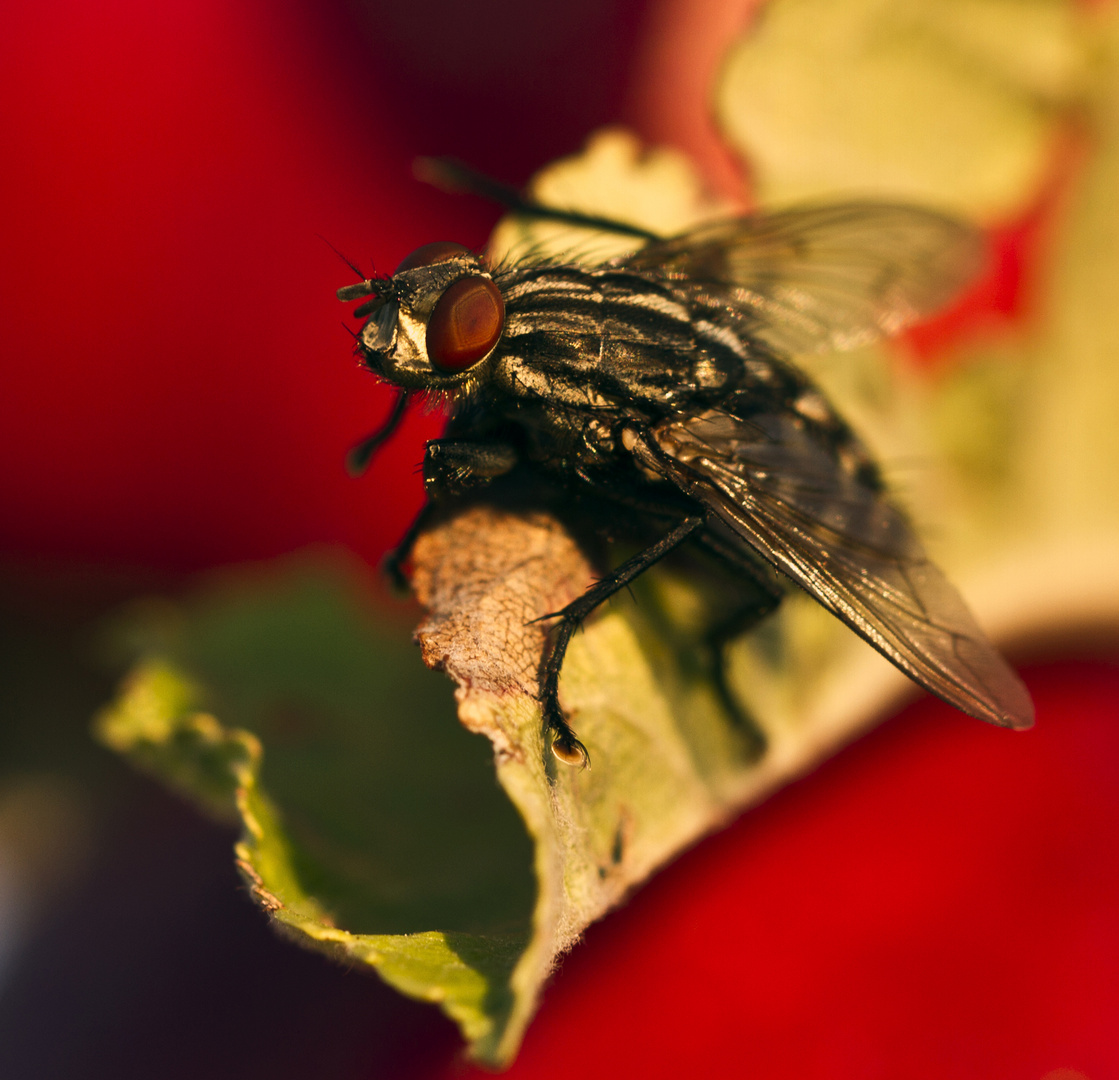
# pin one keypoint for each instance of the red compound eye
(465, 325)
(440, 251)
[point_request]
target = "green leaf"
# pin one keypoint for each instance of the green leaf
(370, 810)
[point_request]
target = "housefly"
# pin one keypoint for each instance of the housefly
(662, 383)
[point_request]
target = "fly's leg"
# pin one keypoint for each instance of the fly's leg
(455, 466)
(392, 565)
(357, 460)
(717, 639)
(451, 467)
(564, 743)
(767, 598)
(452, 175)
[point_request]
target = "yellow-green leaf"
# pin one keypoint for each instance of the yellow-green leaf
(951, 103)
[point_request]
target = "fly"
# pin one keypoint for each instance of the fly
(661, 384)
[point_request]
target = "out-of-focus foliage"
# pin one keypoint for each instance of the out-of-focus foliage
(954, 104)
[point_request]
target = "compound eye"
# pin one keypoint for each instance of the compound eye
(465, 325)
(429, 254)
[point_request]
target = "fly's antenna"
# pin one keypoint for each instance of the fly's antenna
(352, 265)
(451, 175)
(375, 288)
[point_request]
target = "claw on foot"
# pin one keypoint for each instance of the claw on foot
(571, 751)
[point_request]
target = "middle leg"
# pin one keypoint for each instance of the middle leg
(565, 745)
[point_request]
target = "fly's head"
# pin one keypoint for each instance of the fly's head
(434, 323)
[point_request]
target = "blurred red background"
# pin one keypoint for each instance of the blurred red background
(178, 394)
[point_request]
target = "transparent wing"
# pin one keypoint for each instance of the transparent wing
(789, 498)
(823, 277)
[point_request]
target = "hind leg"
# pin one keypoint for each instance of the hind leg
(763, 594)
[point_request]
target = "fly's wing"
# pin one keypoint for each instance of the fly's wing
(822, 277)
(793, 500)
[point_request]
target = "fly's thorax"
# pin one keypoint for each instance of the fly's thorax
(606, 338)
(439, 321)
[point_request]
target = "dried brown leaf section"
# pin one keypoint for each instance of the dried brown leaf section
(486, 575)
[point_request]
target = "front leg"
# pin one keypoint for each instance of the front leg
(455, 466)
(451, 467)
